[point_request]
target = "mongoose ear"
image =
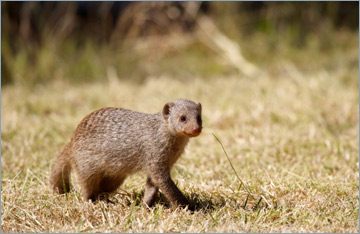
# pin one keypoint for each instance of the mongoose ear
(199, 105)
(166, 110)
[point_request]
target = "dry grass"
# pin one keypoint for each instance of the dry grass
(292, 139)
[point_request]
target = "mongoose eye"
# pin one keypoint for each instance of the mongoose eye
(198, 118)
(183, 118)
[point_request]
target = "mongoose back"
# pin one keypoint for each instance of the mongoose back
(112, 143)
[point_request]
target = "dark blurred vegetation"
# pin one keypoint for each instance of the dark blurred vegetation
(89, 41)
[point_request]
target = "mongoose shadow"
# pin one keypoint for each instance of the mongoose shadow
(112, 143)
(198, 202)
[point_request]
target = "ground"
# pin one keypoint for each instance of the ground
(292, 139)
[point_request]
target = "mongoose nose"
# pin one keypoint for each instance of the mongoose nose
(196, 130)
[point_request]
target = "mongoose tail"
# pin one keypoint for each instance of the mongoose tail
(60, 173)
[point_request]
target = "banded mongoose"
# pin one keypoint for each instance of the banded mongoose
(112, 143)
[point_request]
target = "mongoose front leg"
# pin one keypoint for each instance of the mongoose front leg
(169, 189)
(150, 193)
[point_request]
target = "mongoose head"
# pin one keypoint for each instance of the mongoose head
(183, 117)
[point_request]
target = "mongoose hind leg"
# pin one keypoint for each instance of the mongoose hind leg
(150, 193)
(110, 184)
(91, 188)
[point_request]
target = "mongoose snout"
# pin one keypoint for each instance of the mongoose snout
(111, 143)
(196, 131)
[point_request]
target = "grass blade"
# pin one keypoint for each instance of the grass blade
(242, 183)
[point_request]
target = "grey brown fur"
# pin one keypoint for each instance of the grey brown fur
(112, 143)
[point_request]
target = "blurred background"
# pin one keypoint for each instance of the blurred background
(96, 41)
